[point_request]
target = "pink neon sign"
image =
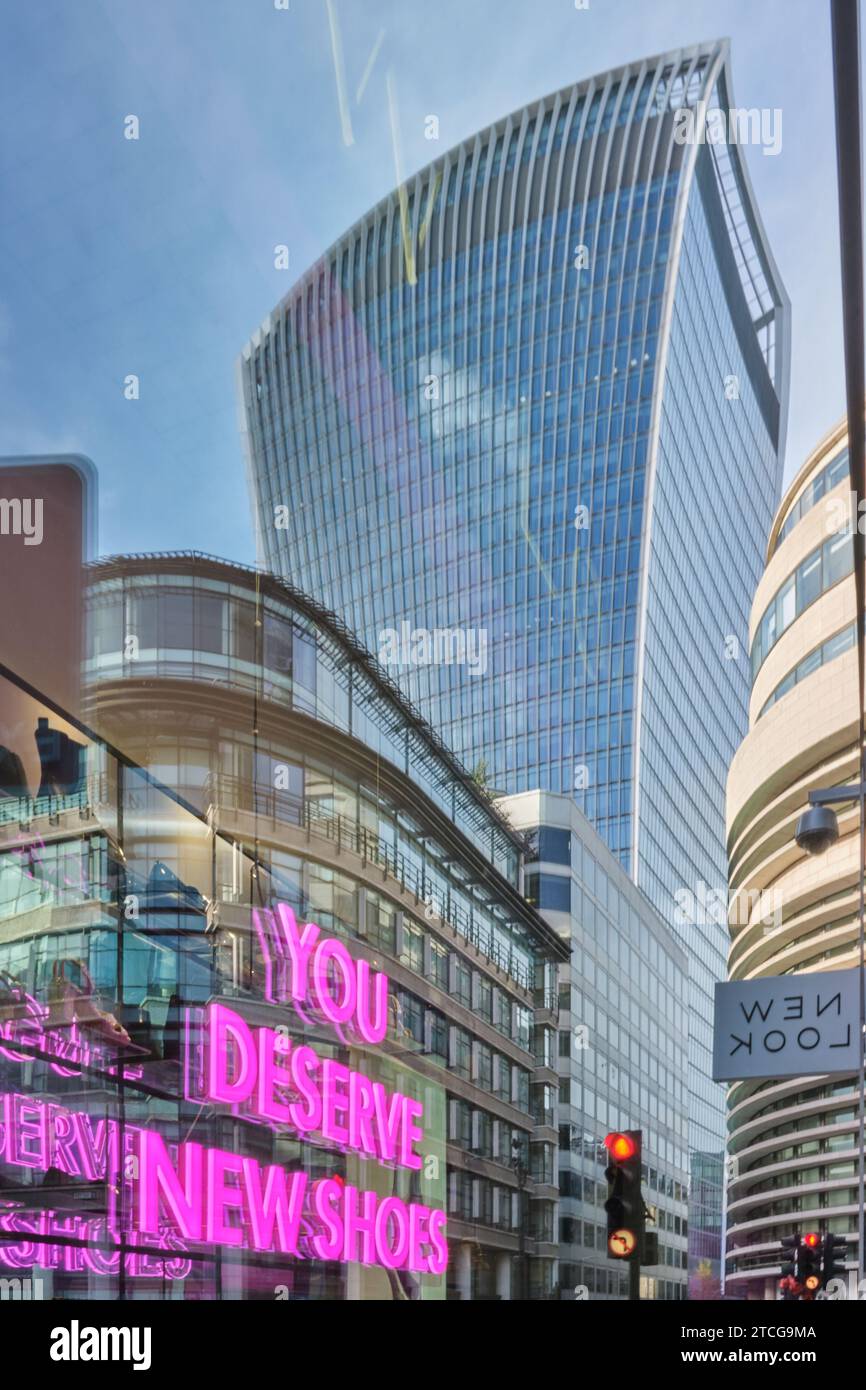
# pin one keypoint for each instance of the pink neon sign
(264, 1076)
(223, 1198)
(45, 1136)
(220, 1198)
(210, 1196)
(39, 1245)
(317, 974)
(65, 1048)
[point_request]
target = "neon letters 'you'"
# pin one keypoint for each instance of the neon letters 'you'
(308, 970)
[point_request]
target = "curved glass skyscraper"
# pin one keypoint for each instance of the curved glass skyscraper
(522, 428)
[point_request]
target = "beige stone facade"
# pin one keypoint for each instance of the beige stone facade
(792, 1148)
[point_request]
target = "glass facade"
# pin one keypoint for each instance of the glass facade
(622, 1055)
(241, 752)
(529, 404)
(716, 483)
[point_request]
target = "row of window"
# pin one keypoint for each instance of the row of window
(591, 1280)
(475, 1061)
(537, 297)
(573, 1184)
(826, 1092)
(833, 1143)
(811, 1201)
(834, 646)
(617, 274)
(818, 572)
(378, 240)
(490, 1204)
(483, 1134)
(317, 798)
(820, 485)
(428, 957)
(473, 175)
(804, 1177)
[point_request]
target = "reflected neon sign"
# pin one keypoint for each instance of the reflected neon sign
(43, 1242)
(46, 1137)
(188, 1194)
(65, 1047)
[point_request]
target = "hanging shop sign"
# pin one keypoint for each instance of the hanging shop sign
(787, 1025)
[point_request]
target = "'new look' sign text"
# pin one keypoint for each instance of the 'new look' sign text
(787, 1025)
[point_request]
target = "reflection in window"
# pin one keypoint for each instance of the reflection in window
(549, 891)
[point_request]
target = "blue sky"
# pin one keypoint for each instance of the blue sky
(156, 256)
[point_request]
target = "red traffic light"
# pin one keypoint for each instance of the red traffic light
(812, 1239)
(620, 1146)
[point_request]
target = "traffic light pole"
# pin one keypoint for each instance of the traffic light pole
(861, 1254)
(845, 30)
(857, 792)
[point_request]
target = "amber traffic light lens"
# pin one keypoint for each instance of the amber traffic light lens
(621, 1243)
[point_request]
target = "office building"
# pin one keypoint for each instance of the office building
(623, 1040)
(794, 1143)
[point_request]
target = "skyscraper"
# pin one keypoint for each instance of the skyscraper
(522, 428)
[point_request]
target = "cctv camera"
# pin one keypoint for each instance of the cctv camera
(817, 829)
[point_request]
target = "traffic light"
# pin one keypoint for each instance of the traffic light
(833, 1254)
(650, 1255)
(624, 1205)
(809, 1264)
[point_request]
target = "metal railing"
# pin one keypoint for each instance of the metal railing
(372, 848)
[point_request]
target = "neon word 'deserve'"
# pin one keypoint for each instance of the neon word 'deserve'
(268, 1078)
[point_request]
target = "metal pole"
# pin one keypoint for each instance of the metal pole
(861, 1214)
(521, 1259)
(845, 24)
(121, 1070)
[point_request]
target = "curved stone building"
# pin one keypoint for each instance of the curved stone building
(244, 752)
(793, 1144)
(521, 426)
